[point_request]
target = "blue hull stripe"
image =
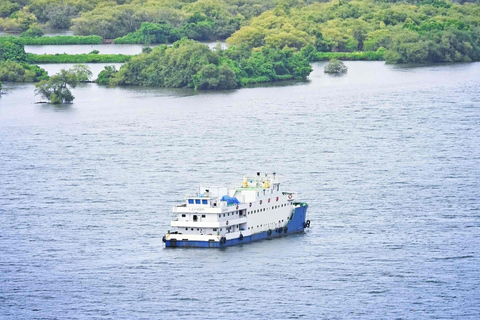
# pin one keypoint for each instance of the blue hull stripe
(295, 225)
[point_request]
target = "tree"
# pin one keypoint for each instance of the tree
(32, 32)
(107, 73)
(57, 88)
(83, 72)
(21, 72)
(335, 67)
(10, 50)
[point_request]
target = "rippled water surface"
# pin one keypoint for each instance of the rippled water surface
(387, 157)
(102, 48)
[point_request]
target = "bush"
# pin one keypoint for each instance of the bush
(21, 72)
(32, 32)
(336, 67)
(12, 50)
(57, 88)
(191, 64)
(106, 75)
(78, 58)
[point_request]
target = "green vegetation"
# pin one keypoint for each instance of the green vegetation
(335, 67)
(32, 32)
(204, 19)
(430, 31)
(78, 58)
(21, 72)
(194, 65)
(12, 51)
(417, 31)
(54, 40)
(57, 88)
(270, 40)
(106, 74)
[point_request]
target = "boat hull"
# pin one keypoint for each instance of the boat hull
(295, 225)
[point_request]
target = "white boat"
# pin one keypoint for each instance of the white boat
(254, 210)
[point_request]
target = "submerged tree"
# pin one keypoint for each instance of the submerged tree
(336, 67)
(57, 88)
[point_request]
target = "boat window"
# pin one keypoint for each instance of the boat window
(228, 214)
(204, 201)
(190, 201)
(278, 187)
(195, 217)
(203, 216)
(214, 229)
(224, 214)
(186, 228)
(184, 215)
(192, 229)
(219, 215)
(197, 201)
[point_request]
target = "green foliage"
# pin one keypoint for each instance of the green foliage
(194, 65)
(358, 55)
(173, 67)
(54, 40)
(78, 58)
(151, 33)
(335, 67)
(106, 75)
(12, 50)
(21, 72)
(449, 45)
(82, 72)
(8, 7)
(211, 76)
(431, 31)
(32, 32)
(18, 21)
(57, 88)
(58, 14)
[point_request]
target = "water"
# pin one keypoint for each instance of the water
(129, 49)
(387, 158)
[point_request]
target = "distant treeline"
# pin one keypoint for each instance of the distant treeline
(418, 31)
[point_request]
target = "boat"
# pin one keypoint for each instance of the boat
(255, 209)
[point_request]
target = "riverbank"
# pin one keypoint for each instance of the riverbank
(78, 58)
(53, 40)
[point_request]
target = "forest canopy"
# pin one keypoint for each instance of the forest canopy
(191, 64)
(416, 31)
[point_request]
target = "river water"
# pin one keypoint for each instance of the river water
(387, 158)
(129, 49)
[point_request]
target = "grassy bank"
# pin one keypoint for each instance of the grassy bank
(78, 58)
(54, 40)
(359, 55)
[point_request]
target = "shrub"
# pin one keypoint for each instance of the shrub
(21, 72)
(336, 67)
(32, 32)
(78, 58)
